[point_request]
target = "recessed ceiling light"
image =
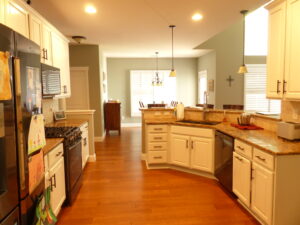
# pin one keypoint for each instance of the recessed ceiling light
(197, 17)
(90, 9)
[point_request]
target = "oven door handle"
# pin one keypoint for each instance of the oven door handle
(74, 145)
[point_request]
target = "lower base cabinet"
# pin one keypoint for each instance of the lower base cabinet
(180, 154)
(262, 192)
(85, 149)
(55, 178)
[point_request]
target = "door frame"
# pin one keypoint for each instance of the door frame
(86, 70)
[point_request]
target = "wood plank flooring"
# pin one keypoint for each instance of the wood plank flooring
(119, 190)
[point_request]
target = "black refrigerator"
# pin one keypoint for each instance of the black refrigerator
(20, 99)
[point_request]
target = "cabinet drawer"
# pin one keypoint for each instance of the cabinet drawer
(55, 155)
(157, 137)
(157, 157)
(243, 148)
(156, 146)
(157, 128)
(263, 158)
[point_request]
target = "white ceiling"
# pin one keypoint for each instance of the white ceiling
(138, 28)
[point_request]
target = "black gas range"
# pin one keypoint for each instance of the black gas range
(72, 158)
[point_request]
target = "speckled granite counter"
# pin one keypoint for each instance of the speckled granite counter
(51, 143)
(261, 139)
(67, 123)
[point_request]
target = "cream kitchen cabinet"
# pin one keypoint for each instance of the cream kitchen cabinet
(180, 152)
(60, 49)
(55, 177)
(283, 67)
(85, 143)
(241, 183)
(262, 192)
(157, 144)
(16, 17)
(202, 153)
(266, 184)
(46, 53)
(192, 148)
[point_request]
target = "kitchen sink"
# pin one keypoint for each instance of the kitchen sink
(200, 122)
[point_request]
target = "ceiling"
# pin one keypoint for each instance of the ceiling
(139, 28)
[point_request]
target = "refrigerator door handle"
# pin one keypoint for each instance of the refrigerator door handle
(20, 136)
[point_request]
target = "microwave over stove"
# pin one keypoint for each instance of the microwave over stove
(50, 81)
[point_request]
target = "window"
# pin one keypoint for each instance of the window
(142, 90)
(256, 33)
(255, 91)
(202, 86)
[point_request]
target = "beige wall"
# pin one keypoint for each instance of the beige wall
(118, 71)
(208, 63)
(89, 56)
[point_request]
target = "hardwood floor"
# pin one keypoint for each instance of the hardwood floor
(119, 190)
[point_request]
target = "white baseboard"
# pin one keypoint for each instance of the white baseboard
(131, 124)
(92, 158)
(99, 139)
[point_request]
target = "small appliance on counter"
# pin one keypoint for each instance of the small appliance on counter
(288, 130)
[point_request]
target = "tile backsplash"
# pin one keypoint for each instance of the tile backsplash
(290, 111)
(49, 106)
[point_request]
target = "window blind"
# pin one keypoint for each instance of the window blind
(141, 89)
(255, 91)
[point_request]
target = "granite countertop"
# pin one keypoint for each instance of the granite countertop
(262, 139)
(51, 143)
(67, 123)
(157, 109)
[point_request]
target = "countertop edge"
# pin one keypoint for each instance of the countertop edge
(51, 143)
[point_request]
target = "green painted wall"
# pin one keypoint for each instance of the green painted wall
(118, 71)
(89, 56)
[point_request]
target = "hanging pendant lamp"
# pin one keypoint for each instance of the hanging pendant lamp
(243, 68)
(156, 80)
(173, 72)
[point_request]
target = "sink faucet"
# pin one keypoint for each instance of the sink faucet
(205, 105)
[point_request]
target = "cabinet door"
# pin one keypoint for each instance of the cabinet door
(61, 60)
(292, 65)
(241, 179)
(2, 11)
(276, 51)
(202, 154)
(262, 192)
(47, 45)
(16, 18)
(180, 151)
(58, 194)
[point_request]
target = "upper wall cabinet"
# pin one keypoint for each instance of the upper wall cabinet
(16, 17)
(46, 53)
(283, 67)
(2, 11)
(60, 49)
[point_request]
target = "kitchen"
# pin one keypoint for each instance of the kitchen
(280, 157)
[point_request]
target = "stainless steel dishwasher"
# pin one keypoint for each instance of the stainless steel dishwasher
(224, 146)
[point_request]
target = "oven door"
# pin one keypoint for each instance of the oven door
(75, 163)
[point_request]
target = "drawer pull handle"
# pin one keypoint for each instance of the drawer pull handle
(58, 154)
(187, 143)
(157, 138)
(157, 157)
(157, 128)
(157, 146)
(192, 145)
(260, 158)
(241, 148)
(239, 158)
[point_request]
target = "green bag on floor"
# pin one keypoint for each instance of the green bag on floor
(44, 214)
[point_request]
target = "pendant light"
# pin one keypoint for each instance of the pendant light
(173, 72)
(156, 80)
(243, 68)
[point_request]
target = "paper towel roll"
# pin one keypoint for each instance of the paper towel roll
(180, 111)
